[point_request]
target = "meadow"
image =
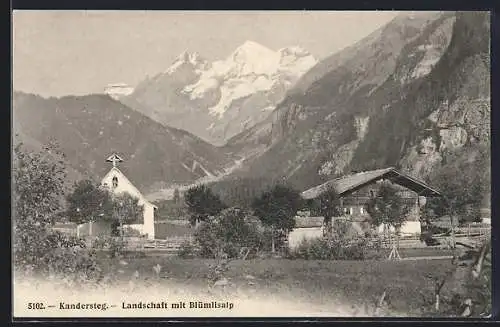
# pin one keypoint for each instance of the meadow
(409, 285)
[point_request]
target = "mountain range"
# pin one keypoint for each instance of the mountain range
(217, 100)
(90, 128)
(413, 95)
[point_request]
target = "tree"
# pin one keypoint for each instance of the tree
(277, 209)
(329, 206)
(38, 189)
(231, 231)
(202, 203)
(87, 202)
(38, 193)
(465, 182)
(388, 209)
(126, 210)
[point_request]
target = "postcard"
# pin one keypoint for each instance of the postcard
(175, 164)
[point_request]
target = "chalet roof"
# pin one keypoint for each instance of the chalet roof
(311, 222)
(308, 222)
(348, 184)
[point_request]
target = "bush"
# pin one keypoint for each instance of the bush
(38, 250)
(187, 250)
(57, 239)
(325, 248)
(342, 244)
(280, 241)
(115, 245)
(231, 232)
(73, 265)
(316, 249)
(63, 258)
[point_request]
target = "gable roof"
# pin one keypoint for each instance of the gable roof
(308, 222)
(348, 184)
(122, 175)
(314, 222)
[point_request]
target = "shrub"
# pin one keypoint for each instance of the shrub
(317, 249)
(280, 241)
(206, 238)
(63, 258)
(230, 232)
(341, 244)
(187, 250)
(38, 191)
(115, 245)
(326, 248)
(58, 239)
(73, 265)
(202, 203)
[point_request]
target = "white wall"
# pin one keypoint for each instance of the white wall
(149, 221)
(137, 227)
(125, 186)
(148, 227)
(408, 227)
(298, 234)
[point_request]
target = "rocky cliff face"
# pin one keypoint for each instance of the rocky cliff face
(347, 79)
(411, 93)
(450, 110)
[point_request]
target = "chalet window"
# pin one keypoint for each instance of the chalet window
(348, 211)
(361, 210)
(115, 181)
(371, 193)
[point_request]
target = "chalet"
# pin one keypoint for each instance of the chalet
(357, 189)
(116, 181)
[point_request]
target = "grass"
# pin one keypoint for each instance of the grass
(319, 282)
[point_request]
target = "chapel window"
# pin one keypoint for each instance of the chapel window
(115, 181)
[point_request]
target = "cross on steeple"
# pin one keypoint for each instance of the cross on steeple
(114, 159)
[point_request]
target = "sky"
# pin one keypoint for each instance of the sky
(58, 53)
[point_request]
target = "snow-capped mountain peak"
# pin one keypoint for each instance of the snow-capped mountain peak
(293, 51)
(251, 68)
(118, 90)
(187, 58)
(215, 99)
(190, 57)
(255, 58)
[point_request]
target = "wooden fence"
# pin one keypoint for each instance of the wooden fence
(66, 230)
(474, 232)
(171, 244)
